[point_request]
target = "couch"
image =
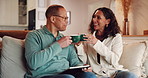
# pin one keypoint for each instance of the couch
(13, 64)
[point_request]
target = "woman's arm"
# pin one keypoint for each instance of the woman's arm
(111, 50)
(81, 53)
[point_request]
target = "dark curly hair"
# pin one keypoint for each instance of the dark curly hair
(112, 28)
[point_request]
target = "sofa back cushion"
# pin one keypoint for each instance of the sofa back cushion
(146, 66)
(12, 58)
(133, 57)
(0, 44)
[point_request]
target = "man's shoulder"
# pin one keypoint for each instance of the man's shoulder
(35, 31)
(61, 34)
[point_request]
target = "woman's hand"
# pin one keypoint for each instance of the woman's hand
(91, 39)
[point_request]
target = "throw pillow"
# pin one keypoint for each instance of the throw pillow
(146, 66)
(0, 43)
(12, 58)
(146, 63)
(133, 57)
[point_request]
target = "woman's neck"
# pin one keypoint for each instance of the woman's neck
(99, 35)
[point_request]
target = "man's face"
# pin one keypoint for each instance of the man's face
(61, 20)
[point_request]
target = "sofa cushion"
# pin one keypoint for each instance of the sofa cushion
(0, 42)
(146, 66)
(12, 58)
(133, 57)
(0, 45)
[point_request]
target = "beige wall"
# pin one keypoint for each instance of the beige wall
(137, 16)
(77, 15)
(81, 11)
(9, 15)
(9, 12)
(31, 4)
(81, 14)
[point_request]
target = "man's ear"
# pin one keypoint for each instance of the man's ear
(52, 19)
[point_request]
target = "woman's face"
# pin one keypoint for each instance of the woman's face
(99, 21)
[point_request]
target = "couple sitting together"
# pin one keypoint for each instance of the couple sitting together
(49, 54)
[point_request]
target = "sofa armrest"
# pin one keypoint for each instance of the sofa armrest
(20, 34)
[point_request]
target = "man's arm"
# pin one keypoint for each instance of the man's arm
(36, 56)
(73, 57)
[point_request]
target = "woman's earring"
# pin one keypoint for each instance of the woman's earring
(106, 25)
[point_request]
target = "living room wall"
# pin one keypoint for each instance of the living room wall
(77, 15)
(81, 11)
(137, 16)
(7, 13)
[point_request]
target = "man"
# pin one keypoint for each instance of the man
(49, 53)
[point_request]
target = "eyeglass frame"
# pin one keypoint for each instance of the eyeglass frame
(65, 18)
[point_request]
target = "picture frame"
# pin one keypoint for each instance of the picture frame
(69, 17)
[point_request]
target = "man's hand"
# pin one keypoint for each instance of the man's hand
(89, 69)
(65, 41)
(78, 43)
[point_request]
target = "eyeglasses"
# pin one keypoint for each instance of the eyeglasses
(64, 18)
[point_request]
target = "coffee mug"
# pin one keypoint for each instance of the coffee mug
(82, 37)
(75, 38)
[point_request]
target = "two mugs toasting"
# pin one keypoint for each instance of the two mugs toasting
(76, 38)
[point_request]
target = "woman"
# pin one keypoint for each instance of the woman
(103, 47)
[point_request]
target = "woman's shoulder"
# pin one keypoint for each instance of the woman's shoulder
(118, 35)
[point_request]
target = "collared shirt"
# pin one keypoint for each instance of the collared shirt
(44, 55)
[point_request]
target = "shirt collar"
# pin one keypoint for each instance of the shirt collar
(48, 32)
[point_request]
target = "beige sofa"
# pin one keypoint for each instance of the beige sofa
(134, 56)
